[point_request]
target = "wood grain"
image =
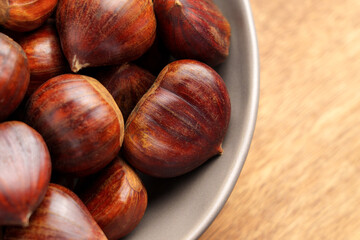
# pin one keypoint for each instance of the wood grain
(301, 178)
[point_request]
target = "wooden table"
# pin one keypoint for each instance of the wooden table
(301, 179)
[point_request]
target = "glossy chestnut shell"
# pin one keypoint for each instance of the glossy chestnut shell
(25, 15)
(24, 173)
(43, 51)
(116, 198)
(61, 215)
(180, 122)
(97, 33)
(127, 84)
(80, 122)
(14, 75)
(194, 29)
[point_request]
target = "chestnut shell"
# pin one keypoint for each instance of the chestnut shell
(24, 173)
(61, 215)
(127, 84)
(194, 29)
(25, 15)
(116, 198)
(79, 121)
(98, 33)
(44, 54)
(14, 75)
(180, 122)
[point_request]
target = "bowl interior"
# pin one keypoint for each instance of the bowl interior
(183, 207)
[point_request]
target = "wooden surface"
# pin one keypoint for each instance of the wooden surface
(301, 179)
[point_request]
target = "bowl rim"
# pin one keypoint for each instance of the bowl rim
(254, 93)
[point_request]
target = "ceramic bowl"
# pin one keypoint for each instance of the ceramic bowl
(182, 208)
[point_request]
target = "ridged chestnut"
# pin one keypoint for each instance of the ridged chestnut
(25, 15)
(97, 33)
(116, 198)
(61, 215)
(80, 122)
(127, 84)
(194, 29)
(180, 122)
(43, 51)
(24, 173)
(14, 75)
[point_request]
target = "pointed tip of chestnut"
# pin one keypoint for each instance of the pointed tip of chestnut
(25, 219)
(76, 65)
(220, 150)
(178, 3)
(22, 219)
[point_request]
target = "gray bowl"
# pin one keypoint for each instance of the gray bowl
(183, 207)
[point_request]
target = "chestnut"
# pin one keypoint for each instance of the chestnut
(116, 198)
(61, 215)
(25, 15)
(194, 29)
(127, 84)
(14, 75)
(24, 173)
(80, 122)
(98, 33)
(43, 51)
(180, 122)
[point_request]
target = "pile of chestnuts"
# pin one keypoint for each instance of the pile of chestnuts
(95, 92)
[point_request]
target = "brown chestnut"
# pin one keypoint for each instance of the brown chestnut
(116, 198)
(61, 215)
(25, 15)
(80, 122)
(97, 33)
(14, 75)
(43, 50)
(24, 173)
(194, 29)
(180, 122)
(127, 84)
